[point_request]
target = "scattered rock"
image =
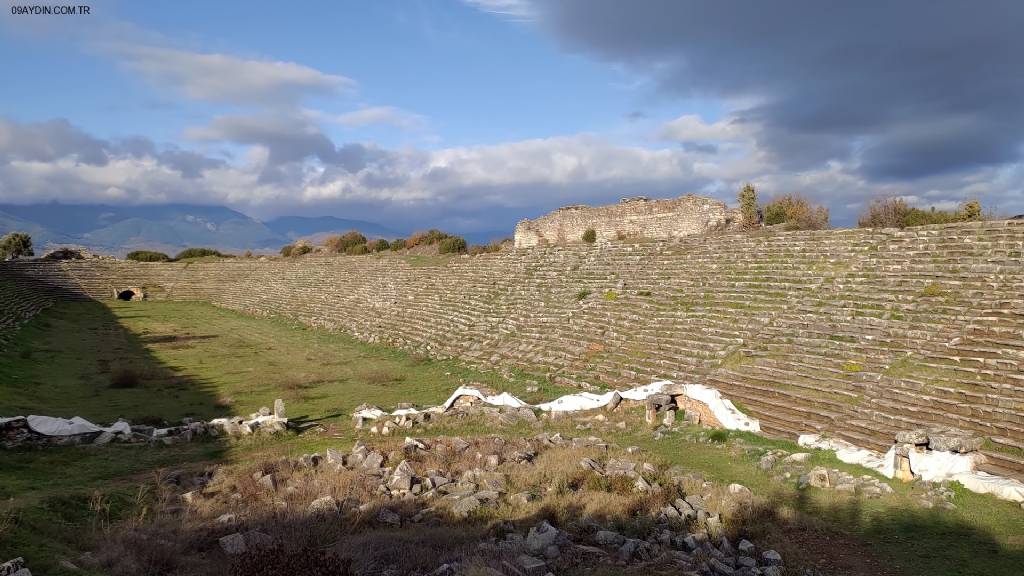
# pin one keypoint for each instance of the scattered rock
(233, 544)
(323, 505)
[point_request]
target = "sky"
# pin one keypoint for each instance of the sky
(471, 115)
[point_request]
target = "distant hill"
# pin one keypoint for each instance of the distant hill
(295, 227)
(116, 230)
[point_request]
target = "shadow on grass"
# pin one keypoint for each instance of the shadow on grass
(76, 358)
(908, 540)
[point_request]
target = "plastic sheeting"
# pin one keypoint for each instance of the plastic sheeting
(52, 426)
(933, 466)
(725, 411)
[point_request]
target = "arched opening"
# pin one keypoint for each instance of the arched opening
(125, 295)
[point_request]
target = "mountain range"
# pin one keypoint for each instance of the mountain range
(116, 230)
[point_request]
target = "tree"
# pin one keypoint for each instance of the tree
(971, 211)
(796, 213)
(15, 245)
(452, 245)
(341, 244)
(748, 207)
(380, 245)
(148, 256)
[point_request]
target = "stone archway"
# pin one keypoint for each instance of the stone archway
(129, 294)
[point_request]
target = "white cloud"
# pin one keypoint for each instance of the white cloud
(379, 115)
(291, 167)
(227, 78)
(515, 9)
(692, 128)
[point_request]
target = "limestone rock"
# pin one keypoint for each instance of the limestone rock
(541, 536)
(464, 506)
(323, 505)
(917, 436)
(233, 544)
(531, 565)
(798, 458)
(609, 538)
(771, 558)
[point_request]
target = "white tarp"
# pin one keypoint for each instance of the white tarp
(51, 426)
(724, 410)
(932, 465)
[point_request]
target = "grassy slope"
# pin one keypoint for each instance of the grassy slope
(194, 359)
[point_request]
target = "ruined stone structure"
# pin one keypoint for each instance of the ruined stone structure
(856, 333)
(631, 218)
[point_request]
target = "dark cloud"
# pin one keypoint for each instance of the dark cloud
(700, 147)
(287, 138)
(49, 141)
(58, 139)
(865, 80)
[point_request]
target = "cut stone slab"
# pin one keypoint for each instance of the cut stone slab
(532, 566)
(464, 506)
(233, 544)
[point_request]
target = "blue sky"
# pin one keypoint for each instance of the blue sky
(474, 114)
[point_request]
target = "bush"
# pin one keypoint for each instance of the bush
(15, 245)
(590, 235)
(796, 213)
(301, 249)
(380, 245)
(148, 256)
(896, 213)
(397, 244)
(582, 294)
(432, 236)
(719, 436)
(124, 378)
(493, 246)
(748, 207)
(341, 244)
(286, 250)
(452, 245)
(357, 250)
(196, 253)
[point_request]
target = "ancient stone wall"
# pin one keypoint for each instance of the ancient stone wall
(857, 333)
(630, 218)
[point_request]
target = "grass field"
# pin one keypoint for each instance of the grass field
(147, 361)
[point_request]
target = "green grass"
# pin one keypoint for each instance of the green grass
(195, 359)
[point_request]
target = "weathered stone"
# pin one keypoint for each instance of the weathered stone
(323, 505)
(268, 483)
(819, 478)
(609, 538)
(954, 441)
(532, 566)
(613, 402)
(541, 536)
(521, 498)
(739, 490)
(233, 544)
(771, 558)
(464, 506)
(373, 461)
(255, 539)
(798, 458)
(279, 408)
(746, 547)
(386, 516)
(916, 436)
(335, 456)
